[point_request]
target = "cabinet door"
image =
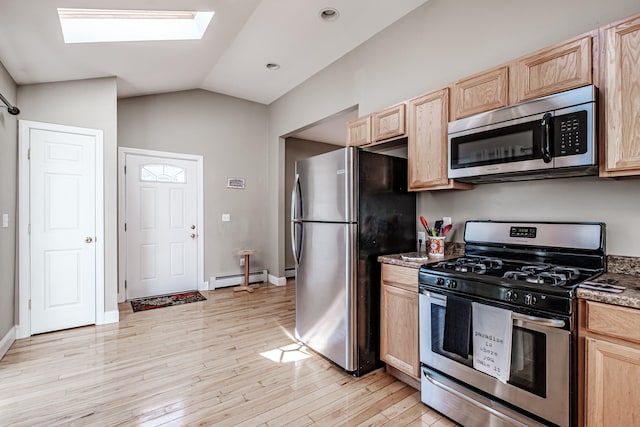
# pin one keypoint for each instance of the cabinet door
(399, 329)
(622, 97)
(427, 140)
(359, 131)
(556, 69)
(613, 375)
(389, 123)
(482, 92)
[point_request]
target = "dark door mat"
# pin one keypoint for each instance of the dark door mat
(149, 303)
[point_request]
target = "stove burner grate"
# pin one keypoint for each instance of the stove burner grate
(478, 265)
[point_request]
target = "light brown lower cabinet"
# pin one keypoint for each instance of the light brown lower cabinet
(610, 352)
(399, 347)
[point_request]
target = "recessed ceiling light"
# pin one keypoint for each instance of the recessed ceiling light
(272, 66)
(103, 25)
(329, 14)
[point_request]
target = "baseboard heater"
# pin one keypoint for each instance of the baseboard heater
(236, 279)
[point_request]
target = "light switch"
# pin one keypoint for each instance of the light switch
(226, 217)
(5, 220)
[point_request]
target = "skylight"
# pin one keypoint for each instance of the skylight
(102, 25)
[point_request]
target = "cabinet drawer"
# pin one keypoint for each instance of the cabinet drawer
(619, 322)
(400, 277)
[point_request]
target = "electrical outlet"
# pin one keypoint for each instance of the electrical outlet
(241, 261)
(446, 220)
(422, 236)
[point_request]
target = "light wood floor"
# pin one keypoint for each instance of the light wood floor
(230, 360)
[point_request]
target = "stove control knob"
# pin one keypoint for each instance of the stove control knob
(530, 299)
(452, 284)
(511, 296)
(440, 281)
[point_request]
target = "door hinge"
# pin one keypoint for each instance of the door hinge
(125, 226)
(29, 304)
(125, 169)
(28, 153)
(28, 228)
(125, 284)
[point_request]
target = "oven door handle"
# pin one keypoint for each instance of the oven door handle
(541, 321)
(474, 402)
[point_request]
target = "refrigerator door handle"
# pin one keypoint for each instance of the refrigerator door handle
(296, 238)
(296, 200)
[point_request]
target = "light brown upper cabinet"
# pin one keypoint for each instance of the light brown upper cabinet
(621, 86)
(427, 142)
(389, 123)
(359, 132)
(481, 92)
(565, 66)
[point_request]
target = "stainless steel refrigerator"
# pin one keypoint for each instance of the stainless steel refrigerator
(348, 206)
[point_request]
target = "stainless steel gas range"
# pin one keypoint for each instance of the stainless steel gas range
(498, 341)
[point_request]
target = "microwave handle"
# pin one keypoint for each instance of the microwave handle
(546, 137)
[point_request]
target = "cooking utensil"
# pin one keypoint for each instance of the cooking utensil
(425, 225)
(438, 227)
(446, 229)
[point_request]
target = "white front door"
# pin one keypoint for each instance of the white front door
(161, 225)
(63, 217)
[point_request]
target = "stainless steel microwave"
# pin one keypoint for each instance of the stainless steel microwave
(554, 136)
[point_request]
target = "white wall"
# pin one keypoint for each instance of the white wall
(8, 191)
(231, 135)
(440, 42)
(89, 104)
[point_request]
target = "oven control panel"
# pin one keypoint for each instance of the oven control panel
(527, 232)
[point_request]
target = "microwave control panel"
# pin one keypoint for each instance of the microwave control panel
(570, 131)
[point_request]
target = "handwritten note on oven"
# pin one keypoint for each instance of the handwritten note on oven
(491, 331)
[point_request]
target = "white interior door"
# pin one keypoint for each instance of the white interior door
(161, 225)
(62, 200)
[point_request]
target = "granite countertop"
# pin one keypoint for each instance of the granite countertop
(396, 259)
(630, 297)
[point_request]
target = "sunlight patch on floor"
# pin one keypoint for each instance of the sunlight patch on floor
(287, 354)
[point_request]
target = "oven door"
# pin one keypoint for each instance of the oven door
(539, 380)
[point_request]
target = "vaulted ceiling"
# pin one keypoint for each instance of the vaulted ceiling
(243, 37)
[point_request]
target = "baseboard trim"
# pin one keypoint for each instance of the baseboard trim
(236, 279)
(278, 281)
(112, 316)
(6, 341)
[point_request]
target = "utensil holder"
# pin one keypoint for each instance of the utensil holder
(435, 246)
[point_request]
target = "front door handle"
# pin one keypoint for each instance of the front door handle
(88, 239)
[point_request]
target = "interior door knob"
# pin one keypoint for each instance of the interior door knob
(193, 227)
(88, 239)
(193, 236)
